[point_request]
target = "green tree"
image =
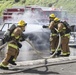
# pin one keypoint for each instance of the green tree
(17, 0)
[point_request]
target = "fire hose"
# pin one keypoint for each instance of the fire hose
(2, 46)
(39, 53)
(50, 55)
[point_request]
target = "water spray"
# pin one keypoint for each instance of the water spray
(39, 53)
(29, 18)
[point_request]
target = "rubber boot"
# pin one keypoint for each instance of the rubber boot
(11, 61)
(58, 53)
(62, 55)
(54, 56)
(4, 68)
(52, 52)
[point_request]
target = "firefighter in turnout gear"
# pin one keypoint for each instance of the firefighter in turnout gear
(54, 38)
(14, 45)
(65, 35)
(51, 17)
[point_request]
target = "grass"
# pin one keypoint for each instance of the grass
(69, 5)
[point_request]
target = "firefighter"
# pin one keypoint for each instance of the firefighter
(54, 38)
(14, 45)
(65, 35)
(51, 17)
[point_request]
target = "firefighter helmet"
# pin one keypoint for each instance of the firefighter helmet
(22, 23)
(56, 19)
(52, 16)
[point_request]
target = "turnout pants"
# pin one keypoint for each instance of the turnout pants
(54, 43)
(13, 50)
(65, 46)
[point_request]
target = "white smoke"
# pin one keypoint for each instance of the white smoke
(36, 34)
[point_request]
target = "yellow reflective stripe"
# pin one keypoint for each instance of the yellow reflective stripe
(66, 53)
(53, 34)
(13, 46)
(58, 31)
(12, 34)
(59, 49)
(14, 59)
(68, 35)
(15, 37)
(1, 64)
(52, 50)
(64, 27)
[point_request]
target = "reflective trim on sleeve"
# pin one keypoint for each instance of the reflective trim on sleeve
(14, 36)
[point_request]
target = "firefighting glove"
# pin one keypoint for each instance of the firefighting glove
(57, 33)
(61, 34)
(19, 44)
(23, 37)
(45, 26)
(3, 41)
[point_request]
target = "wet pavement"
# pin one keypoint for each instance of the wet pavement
(27, 53)
(64, 69)
(68, 68)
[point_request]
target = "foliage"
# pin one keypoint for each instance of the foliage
(65, 4)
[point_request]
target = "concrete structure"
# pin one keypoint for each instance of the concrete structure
(54, 66)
